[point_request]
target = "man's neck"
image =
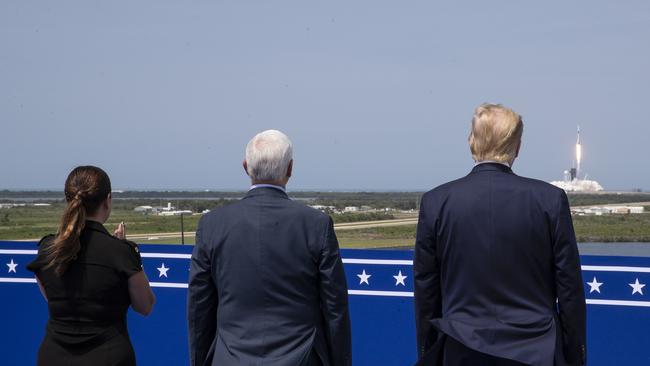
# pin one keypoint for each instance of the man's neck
(268, 185)
(509, 165)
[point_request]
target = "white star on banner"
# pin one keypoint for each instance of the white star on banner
(12, 266)
(399, 279)
(163, 270)
(363, 278)
(637, 287)
(595, 285)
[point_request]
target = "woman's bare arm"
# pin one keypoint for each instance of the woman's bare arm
(142, 298)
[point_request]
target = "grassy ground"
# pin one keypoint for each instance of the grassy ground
(613, 228)
(391, 236)
(609, 228)
(34, 222)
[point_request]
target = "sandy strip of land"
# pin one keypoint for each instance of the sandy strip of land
(338, 227)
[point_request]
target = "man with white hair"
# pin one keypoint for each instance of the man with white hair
(267, 285)
(496, 268)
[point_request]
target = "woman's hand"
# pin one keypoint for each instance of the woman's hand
(120, 232)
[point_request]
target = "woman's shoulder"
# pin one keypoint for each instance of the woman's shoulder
(128, 260)
(114, 244)
(120, 249)
(41, 256)
(46, 240)
(111, 252)
(129, 246)
(44, 243)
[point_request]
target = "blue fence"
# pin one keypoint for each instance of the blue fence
(381, 305)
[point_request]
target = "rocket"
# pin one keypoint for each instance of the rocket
(578, 153)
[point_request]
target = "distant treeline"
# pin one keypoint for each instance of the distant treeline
(7, 194)
(192, 199)
(201, 200)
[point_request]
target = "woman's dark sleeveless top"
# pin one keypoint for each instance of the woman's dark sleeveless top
(89, 302)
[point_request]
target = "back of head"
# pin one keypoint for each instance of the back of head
(86, 188)
(268, 156)
(496, 134)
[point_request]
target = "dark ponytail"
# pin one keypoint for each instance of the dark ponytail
(85, 189)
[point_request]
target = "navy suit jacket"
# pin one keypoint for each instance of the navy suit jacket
(497, 268)
(267, 286)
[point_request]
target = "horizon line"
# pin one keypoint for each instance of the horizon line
(289, 189)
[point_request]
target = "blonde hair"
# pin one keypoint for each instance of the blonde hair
(496, 133)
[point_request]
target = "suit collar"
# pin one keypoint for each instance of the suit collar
(491, 167)
(268, 186)
(266, 191)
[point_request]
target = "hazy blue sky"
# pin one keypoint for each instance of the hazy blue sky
(374, 94)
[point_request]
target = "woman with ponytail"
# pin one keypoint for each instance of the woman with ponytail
(89, 279)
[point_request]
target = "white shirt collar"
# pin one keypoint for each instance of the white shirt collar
(492, 162)
(267, 186)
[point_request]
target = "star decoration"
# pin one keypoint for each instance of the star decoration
(595, 285)
(12, 266)
(637, 287)
(163, 270)
(399, 279)
(363, 278)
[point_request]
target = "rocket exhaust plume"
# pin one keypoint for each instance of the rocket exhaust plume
(578, 153)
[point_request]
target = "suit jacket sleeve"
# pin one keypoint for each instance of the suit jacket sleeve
(334, 299)
(426, 272)
(569, 286)
(202, 300)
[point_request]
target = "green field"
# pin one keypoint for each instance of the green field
(613, 228)
(34, 222)
(606, 228)
(609, 228)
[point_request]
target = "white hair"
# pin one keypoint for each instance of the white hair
(268, 155)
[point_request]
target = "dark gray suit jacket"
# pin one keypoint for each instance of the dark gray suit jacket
(494, 252)
(267, 286)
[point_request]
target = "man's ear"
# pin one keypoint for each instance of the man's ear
(245, 165)
(518, 148)
(290, 169)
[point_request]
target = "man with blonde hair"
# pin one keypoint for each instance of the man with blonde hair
(267, 285)
(497, 271)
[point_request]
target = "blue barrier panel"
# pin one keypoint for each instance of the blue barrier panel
(381, 305)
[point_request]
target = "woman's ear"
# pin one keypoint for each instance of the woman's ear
(108, 202)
